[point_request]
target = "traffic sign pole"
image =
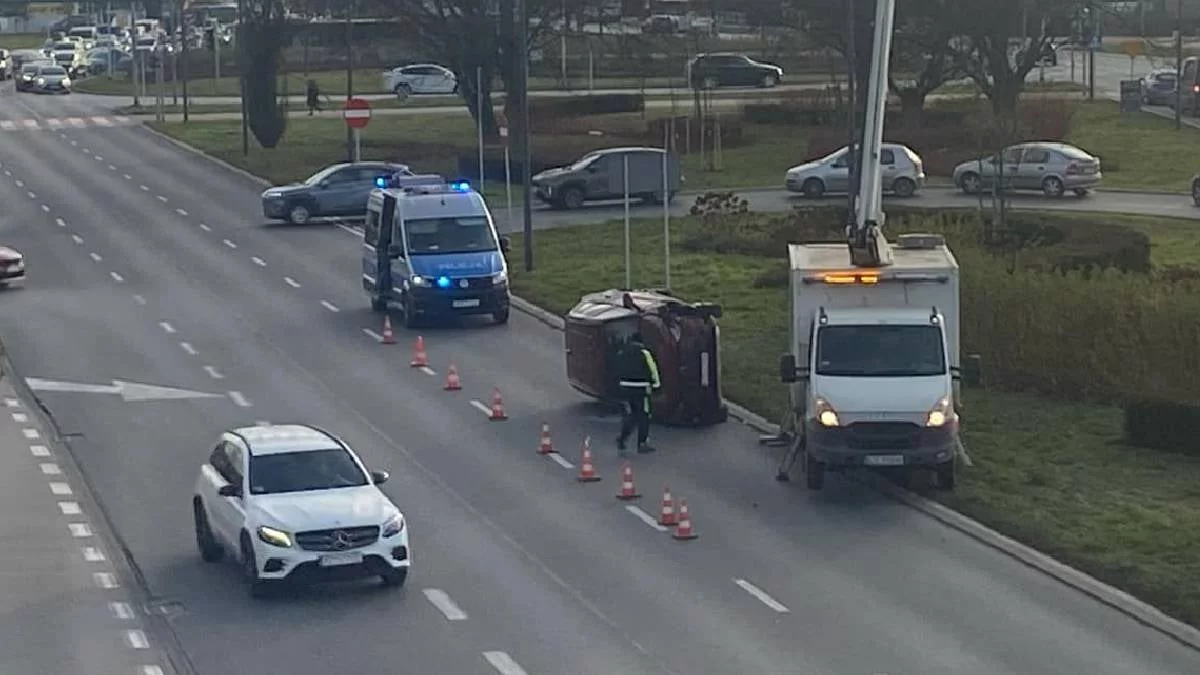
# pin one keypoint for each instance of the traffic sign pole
(357, 114)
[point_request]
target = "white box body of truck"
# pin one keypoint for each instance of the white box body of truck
(875, 356)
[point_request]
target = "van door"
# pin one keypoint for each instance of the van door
(398, 267)
(377, 239)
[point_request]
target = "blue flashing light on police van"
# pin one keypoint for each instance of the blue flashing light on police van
(443, 282)
(460, 186)
(381, 182)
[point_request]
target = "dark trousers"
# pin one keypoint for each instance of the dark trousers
(637, 414)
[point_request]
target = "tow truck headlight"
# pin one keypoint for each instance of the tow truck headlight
(274, 537)
(939, 414)
(393, 526)
(499, 278)
(418, 280)
(825, 414)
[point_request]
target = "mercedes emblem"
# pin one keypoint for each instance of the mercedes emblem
(341, 540)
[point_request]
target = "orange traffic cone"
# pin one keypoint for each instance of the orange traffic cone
(452, 381)
(684, 531)
(667, 515)
(389, 338)
(587, 471)
(497, 413)
(545, 447)
(420, 359)
(628, 489)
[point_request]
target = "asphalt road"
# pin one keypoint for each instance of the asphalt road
(163, 273)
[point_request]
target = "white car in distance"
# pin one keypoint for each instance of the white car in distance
(295, 503)
(423, 78)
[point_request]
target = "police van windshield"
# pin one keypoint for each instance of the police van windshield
(880, 351)
(449, 235)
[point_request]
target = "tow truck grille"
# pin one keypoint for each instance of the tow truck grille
(338, 539)
(884, 435)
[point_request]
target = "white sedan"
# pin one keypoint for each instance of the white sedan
(293, 502)
(12, 266)
(425, 78)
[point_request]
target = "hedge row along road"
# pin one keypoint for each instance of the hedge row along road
(150, 265)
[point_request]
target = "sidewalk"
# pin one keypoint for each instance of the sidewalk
(62, 608)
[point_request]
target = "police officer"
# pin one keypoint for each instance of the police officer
(638, 375)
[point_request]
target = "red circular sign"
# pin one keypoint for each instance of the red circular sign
(357, 113)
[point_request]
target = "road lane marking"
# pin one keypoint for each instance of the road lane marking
(31, 434)
(112, 167)
(151, 670)
(87, 151)
(116, 277)
(560, 460)
(127, 176)
(213, 373)
(105, 580)
(761, 596)
(60, 489)
(644, 517)
(93, 554)
(187, 347)
(12, 403)
(80, 530)
(20, 417)
(162, 199)
(96, 257)
(481, 407)
(77, 239)
(347, 228)
(32, 195)
(98, 158)
(428, 371)
(39, 450)
(329, 306)
(139, 299)
(206, 228)
(145, 188)
(167, 327)
(20, 183)
(70, 508)
(181, 212)
(291, 282)
(440, 599)
(239, 399)
(121, 610)
(228, 243)
(50, 469)
(136, 639)
(373, 335)
(46, 208)
(258, 261)
(503, 663)
(60, 222)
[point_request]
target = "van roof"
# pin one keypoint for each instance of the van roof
(831, 258)
(858, 316)
(438, 205)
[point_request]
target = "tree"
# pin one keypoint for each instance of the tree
(261, 37)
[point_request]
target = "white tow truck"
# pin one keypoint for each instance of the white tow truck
(874, 357)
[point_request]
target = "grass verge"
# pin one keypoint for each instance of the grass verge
(22, 41)
(1054, 475)
(1137, 150)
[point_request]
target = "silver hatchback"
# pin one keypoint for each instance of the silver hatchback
(903, 173)
(1052, 168)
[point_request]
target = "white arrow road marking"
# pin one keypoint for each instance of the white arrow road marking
(128, 391)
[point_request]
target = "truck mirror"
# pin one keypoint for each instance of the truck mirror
(787, 368)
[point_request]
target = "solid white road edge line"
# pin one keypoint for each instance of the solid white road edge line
(503, 663)
(481, 407)
(645, 517)
(441, 600)
(762, 596)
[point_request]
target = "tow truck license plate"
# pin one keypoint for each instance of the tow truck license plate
(884, 460)
(338, 559)
(473, 302)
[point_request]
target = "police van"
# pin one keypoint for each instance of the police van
(430, 248)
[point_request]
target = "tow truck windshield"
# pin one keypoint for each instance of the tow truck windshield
(449, 235)
(880, 351)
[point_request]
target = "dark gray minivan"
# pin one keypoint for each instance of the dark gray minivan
(600, 175)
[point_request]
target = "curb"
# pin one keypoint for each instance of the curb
(215, 160)
(1123, 602)
(1119, 600)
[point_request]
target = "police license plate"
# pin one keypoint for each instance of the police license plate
(339, 559)
(884, 460)
(460, 304)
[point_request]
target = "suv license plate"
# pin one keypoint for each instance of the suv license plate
(459, 304)
(338, 559)
(884, 460)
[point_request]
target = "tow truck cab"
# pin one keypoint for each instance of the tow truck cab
(431, 249)
(875, 360)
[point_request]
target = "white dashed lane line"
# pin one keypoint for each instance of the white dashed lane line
(139, 299)
(144, 188)
(373, 335)
(105, 580)
(50, 469)
(181, 212)
(162, 199)
(213, 373)
(31, 434)
(20, 417)
(239, 399)
(762, 596)
(560, 460)
(93, 555)
(20, 183)
(258, 261)
(70, 508)
(228, 243)
(187, 347)
(80, 530)
(112, 167)
(330, 306)
(116, 277)
(61, 489)
(646, 518)
(481, 407)
(291, 282)
(205, 227)
(32, 195)
(428, 371)
(96, 257)
(503, 663)
(60, 222)
(168, 328)
(122, 611)
(441, 600)
(86, 151)
(45, 208)
(39, 450)
(77, 239)
(127, 176)
(136, 639)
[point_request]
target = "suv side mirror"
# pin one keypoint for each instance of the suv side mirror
(505, 244)
(380, 477)
(229, 491)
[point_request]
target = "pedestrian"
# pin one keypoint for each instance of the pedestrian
(313, 95)
(638, 378)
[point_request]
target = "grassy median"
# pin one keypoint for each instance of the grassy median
(1054, 475)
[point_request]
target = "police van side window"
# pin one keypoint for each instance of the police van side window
(371, 228)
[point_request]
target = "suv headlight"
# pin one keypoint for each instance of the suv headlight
(274, 537)
(418, 280)
(66, 81)
(41, 80)
(825, 414)
(393, 526)
(939, 414)
(499, 278)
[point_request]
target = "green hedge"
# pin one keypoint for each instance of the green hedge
(1163, 425)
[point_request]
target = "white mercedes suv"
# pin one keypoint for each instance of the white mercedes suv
(293, 502)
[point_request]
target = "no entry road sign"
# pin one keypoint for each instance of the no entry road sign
(357, 113)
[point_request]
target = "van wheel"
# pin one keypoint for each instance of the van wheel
(814, 473)
(501, 317)
(571, 198)
(946, 475)
(210, 550)
(904, 187)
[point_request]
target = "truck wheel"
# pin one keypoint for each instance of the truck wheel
(946, 475)
(814, 473)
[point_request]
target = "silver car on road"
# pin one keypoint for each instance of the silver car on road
(903, 173)
(1050, 167)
